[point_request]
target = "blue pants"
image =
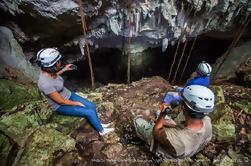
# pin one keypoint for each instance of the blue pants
(89, 111)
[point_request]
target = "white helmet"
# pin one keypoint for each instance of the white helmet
(47, 57)
(198, 98)
(204, 69)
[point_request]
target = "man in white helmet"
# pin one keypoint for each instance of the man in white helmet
(185, 139)
(61, 99)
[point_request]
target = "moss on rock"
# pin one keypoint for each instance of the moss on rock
(5, 149)
(20, 123)
(223, 126)
(43, 146)
(66, 124)
(223, 160)
(13, 94)
(243, 105)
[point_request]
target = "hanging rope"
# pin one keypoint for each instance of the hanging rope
(84, 29)
(177, 48)
(234, 42)
(129, 44)
(190, 52)
(183, 51)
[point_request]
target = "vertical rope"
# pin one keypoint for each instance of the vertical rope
(183, 51)
(234, 42)
(177, 48)
(129, 44)
(84, 29)
(190, 52)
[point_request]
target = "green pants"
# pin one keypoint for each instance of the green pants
(143, 129)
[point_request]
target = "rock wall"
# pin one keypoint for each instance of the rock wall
(13, 64)
(239, 55)
(153, 22)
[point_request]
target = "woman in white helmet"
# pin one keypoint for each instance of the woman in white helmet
(60, 99)
(203, 72)
(188, 138)
(201, 78)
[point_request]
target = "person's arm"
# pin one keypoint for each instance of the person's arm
(66, 68)
(159, 124)
(55, 96)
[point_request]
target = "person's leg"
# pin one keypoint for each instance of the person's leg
(143, 129)
(86, 102)
(79, 111)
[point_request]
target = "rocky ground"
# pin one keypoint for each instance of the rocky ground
(31, 134)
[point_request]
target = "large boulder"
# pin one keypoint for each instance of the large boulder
(12, 58)
(235, 64)
(244, 72)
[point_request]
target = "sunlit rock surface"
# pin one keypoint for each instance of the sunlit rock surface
(30, 133)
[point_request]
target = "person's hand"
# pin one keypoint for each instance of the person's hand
(79, 104)
(164, 106)
(67, 67)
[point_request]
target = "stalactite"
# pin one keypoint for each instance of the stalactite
(164, 44)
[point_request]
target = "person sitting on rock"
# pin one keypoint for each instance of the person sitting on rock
(60, 99)
(200, 77)
(182, 140)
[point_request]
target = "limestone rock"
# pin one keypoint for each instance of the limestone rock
(219, 95)
(243, 105)
(42, 137)
(223, 126)
(66, 124)
(202, 160)
(13, 94)
(223, 160)
(244, 73)
(237, 64)
(151, 21)
(24, 120)
(112, 151)
(92, 96)
(12, 58)
(5, 151)
(42, 146)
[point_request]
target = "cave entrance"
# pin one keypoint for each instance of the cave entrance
(110, 64)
